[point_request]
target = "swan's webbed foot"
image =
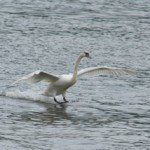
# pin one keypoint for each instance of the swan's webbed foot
(65, 101)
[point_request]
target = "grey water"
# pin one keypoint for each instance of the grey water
(104, 112)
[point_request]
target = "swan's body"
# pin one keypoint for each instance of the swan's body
(58, 85)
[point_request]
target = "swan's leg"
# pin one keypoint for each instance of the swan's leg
(64, 98)
(57, 101)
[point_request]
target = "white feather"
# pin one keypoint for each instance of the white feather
(38, 76)
(103, 70)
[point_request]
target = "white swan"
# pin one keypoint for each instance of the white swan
(58, 85)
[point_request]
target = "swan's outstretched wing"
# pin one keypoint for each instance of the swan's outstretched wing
(98, 70)
(38, 76)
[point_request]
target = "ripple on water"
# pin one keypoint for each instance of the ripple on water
(104, 112)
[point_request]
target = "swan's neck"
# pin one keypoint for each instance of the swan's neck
(75, 73)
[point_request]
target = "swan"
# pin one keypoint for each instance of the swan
(58, 85)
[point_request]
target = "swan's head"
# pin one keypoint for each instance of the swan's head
(85, 54)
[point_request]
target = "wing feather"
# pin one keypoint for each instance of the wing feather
(104, 70)
(38, 76)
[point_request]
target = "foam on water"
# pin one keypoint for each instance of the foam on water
(27, 95)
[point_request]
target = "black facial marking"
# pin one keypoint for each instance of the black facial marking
(86, 54)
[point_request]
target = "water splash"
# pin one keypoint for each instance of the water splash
(26, 95)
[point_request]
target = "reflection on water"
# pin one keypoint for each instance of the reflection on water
(51, 115)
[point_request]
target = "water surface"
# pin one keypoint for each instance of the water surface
(104, 112)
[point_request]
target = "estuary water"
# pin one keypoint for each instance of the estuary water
(104, 112)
